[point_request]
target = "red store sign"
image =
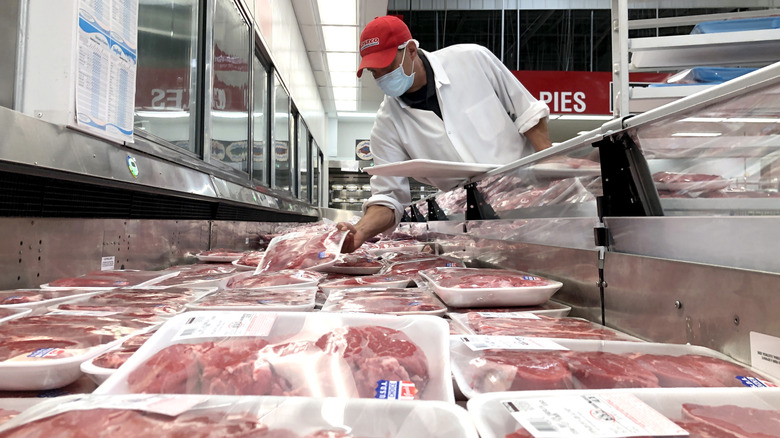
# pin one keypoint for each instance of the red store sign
(577, 92)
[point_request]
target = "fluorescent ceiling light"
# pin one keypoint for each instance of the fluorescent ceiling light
(357, 115)
(342, 62)
(346, 105)
(344, 93)
(162, 114)
(584, 117)
(338, 12)
(697, 134)
(343, 79)
(340, 38)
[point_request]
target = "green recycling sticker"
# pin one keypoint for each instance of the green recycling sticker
(133, 166)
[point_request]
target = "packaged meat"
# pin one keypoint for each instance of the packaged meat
(220, 255)
(96, 280)
(272, 280)
(702, 412)
(37, 300)
(535, 326)
(45, 352)
(689, 182)
(198, 274)
(482, 364)
(303, 250)
(550, 308)
(9, 314)
(99, 368)
(280, 300)
(222, 416)
(165, 301)
(412, 268)
(378, 281)
(292, 353)
(410, 301)
(11, 407)
(477, 287)
(389, 246)
(355, 264)
(249, 261)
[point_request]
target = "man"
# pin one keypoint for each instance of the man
(458, 104)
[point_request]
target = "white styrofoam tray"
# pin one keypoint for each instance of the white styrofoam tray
(271, 305)
(308, 279)
(494, 421)
(349, 300)
(461, 320)
(40, 306)
(487, 297)
(163, 276)
(429, 333)
(550, 308)
(300, 415)
(391, 283)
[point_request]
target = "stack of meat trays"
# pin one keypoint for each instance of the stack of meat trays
(483, 364)
(292, 353)
(224, 416)
(532, 325)
(696, 413)
(408, 301)
(45, 352)
(475, 287)
(36, 301)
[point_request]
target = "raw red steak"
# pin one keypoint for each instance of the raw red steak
(107, 279)
(251, 258)
(602, 370)
(411, 268)
(544, 326)
(35, 295)
(301, 250)
(389, 301)
(258, 297)
(7, 414)
(476, 278)
(693, 370)
(269, 279)
(358, 261)
(513, 370)
(698, 429)
(740, 421)
(112, 360)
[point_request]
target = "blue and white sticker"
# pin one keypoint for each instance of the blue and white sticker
(395, 390)
(755, 382)
(47, 353)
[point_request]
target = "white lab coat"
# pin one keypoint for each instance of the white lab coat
(484, 111)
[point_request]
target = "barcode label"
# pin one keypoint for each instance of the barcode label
(542, 425)
(484, 342)
(226, 325)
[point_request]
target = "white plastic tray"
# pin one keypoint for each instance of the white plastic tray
(40, 306)
(494, 421)
(266, 301)
(299, 415)
(461, 319)
(309, 279)
(429, 333)
(95, 373)
(339, 284)
(550, 308)
(7, 314)
(421, 168)
(356, 300)
(486, 297)
(461, 355)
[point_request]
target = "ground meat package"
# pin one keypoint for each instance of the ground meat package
(532, 325)
(45, 352)
(292, 353)
(378, 281)
(303, 250)
(483, 364)
(409, 301)
(277, 300)
(97, 280)
(703, 412)
(37, 300)
(222, 416)
(478, 287)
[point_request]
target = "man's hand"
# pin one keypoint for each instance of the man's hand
(353, 241)
(377, 219)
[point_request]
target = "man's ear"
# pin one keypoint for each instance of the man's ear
(412, 50)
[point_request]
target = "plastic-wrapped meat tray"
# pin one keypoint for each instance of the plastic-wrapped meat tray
(292, 353)
(288, 299)
(412, 268)
(410, 301)
(390, 246)
(220, 416)
(592, 365)
(220, 255)
(99, 368)
(11, 407)
(198, 274)
(738, 411)
(289, 278)
(355, 264)
(550, 308)
(535, 326)
(689, 182)
(166, 301)
(9, 314)
(249, 261)
(378, 281)
(37, 300)
(313, 250)
(476, 287)
(45, 352)
(96, 280)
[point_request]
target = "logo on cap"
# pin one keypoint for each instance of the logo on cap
(369, 43)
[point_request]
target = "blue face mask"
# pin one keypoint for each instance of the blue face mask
(396, 82)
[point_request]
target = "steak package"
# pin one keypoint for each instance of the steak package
(483, 364)
(167, 301)
(222, 416)
(355, 264)
(111, 279)
(99, 368)
(702, 412)
(250, 260)
(198, 274)
(409, 301)
(219, 255)
(412, 268)
(484, 287)
(532, 325)
(308, 354)
(303, 250)
(378, 281)
(550, 308)
(288, 278)
(287, 299)
(37, 299)
(45, 352)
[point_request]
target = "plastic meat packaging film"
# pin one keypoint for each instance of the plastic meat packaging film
(284, 279)
(303, 250)
(373, 281)
(198, 274)
(473, 287)
(410, 301)
(412, 268)
(101, 367)
(278, 300)
(221, 416)
(111, 279)
(355, 264)
(45, 352)
(220, 255)
(550, 308)
(249, 261)
(703, 412)
(9, 314)
(532, 325)
(167, 301)
(292, 353)
(494, 364)
(38, 300)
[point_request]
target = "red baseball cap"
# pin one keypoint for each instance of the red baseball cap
(379, 42)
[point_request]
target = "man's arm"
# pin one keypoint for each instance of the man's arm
(539, 136)
(376, 219)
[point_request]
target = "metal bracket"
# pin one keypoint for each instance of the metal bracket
(405, 217)
(435, 213)
(476, 207)
(416, 215)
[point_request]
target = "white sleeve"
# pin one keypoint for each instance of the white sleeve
(389, 191)
(525, 110)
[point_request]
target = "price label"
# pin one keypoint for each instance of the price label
(483, 342)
